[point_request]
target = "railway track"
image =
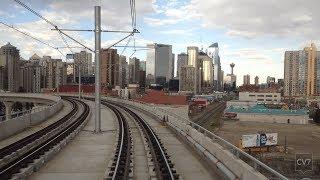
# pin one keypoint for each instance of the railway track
(42, 143)
(205, 117)
(121, 163)
(5, 151)
(161, 164)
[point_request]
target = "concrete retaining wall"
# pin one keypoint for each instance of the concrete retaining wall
(18, 124)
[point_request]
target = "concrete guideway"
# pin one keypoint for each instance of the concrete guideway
(32, 129)
(22, 158)
(228, 162)
(28, 118)
(222, 154)
(87, 155)
(188, 164)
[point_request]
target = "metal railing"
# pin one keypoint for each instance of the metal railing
(27, 112)
(255, 163)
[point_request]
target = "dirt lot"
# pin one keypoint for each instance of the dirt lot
(300, 138)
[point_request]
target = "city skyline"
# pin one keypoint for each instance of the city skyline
(160, 22)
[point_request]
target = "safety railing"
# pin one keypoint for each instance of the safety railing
(255, 163)
(27, 112)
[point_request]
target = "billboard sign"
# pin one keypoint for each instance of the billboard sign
(268, 139)
(250, 140)
(259, 140)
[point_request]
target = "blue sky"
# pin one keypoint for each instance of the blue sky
(252, 34)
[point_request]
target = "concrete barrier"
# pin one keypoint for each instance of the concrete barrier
(18, 124)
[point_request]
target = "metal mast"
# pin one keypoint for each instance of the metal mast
(97, 17)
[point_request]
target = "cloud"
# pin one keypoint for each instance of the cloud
(182, 32)
(252, 19)
(159, 22)
(67, 14)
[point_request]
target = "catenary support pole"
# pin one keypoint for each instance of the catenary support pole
(79, 79)
(97, 16)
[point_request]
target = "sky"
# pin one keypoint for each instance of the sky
(252, 34)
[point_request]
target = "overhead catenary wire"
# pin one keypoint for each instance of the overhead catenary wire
(52, 24)
(125, 47)
(26, 34)
(133, 19)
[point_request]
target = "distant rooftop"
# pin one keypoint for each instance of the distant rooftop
(261, 109)
(214, 45)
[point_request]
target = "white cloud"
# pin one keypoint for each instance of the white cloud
(159, 22)
(181, 32)
(68, 14)
(251, 19)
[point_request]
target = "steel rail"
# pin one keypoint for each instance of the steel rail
(122, 160)
(152, 138)
(204, 117)
(13, 167)
(7, 150)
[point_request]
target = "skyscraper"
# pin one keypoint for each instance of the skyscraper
(109, 67)
(55, 72)
(181, 61)
(312, 69)
(206, 73)
(134, 68)
(159, 62)
(256, 81)
(187, 78)
(193, 61)
(301, 72)
(213, 52)
(246, 79)
(9, 68)
(85, 60)
(122, 71)
(143, 65)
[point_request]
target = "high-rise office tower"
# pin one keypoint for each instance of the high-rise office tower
(159, 63)
(134, 68)
(206, 71)
(143, 65)
(172, 66)
(9, 68)
(193, 61)
(84, 60)
(256, 81)
(122, 71)
(181, 61)
(246, 79)
(213, 52)
(109, 67)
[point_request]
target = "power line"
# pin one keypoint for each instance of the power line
(125, 47)
(119, 41)
(52, 24)
(26, 34)
(133, 19)
(92, 30)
